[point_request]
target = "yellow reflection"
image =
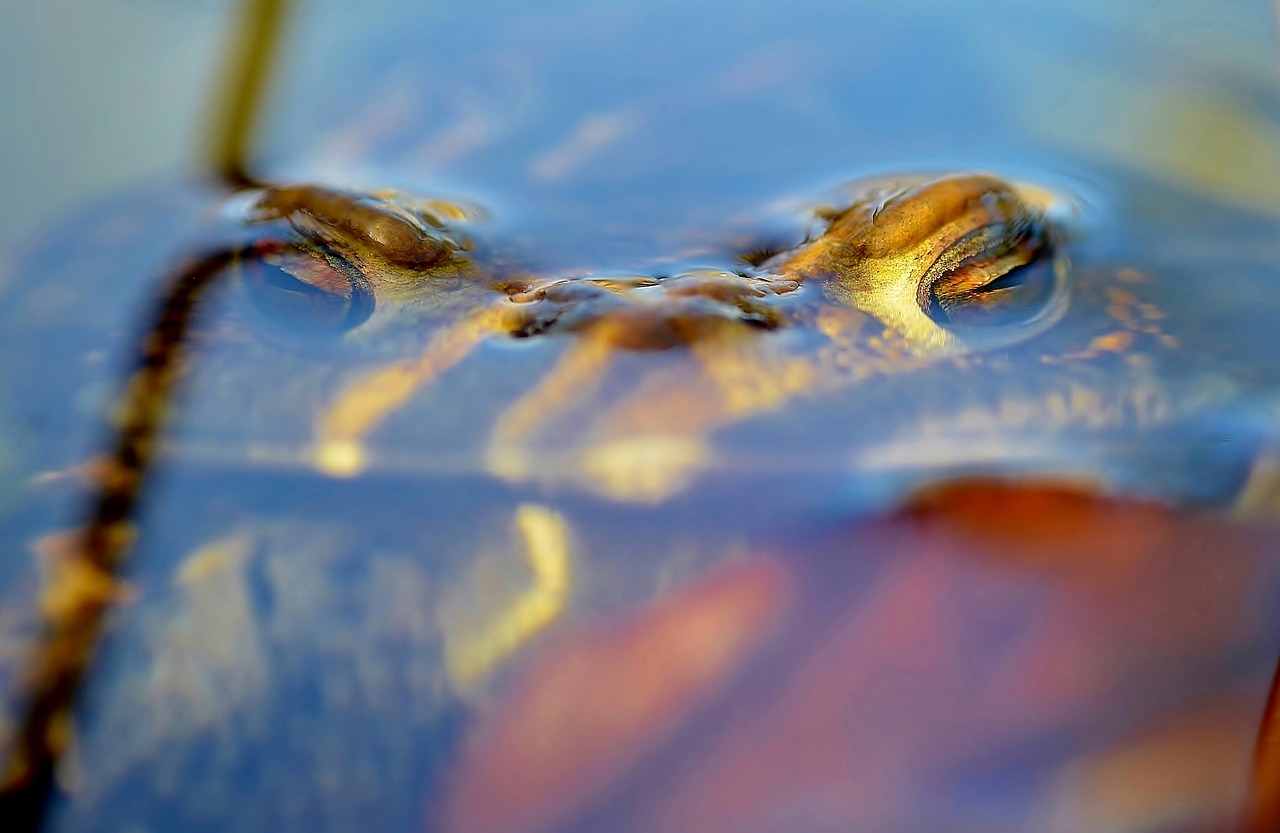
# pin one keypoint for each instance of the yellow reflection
(366, 403)
(544, 534)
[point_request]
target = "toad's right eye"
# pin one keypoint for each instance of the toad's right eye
(1003, 273)
(303, 292)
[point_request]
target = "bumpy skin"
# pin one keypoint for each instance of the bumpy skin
(939, 297)
(365, 230)
(876, 255)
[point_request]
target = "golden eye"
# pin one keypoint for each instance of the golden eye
(300, 292)
(1001, 274)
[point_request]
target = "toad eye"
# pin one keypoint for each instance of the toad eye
(298, 292)
(1000, 274)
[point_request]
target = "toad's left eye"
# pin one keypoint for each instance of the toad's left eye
(1000, 274)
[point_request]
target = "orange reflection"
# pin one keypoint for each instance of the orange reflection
(606, 698)
(991, 657)
(1264, 797)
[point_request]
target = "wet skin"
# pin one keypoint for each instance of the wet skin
(907, 253)
(922, 279)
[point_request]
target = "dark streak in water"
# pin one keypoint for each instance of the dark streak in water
(67, 646)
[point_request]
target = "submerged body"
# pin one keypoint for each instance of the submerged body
(938, 317)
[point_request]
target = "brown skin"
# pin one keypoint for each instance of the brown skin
(892, 287)
(930, 249)
(353, 222)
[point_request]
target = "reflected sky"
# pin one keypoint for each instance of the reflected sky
(657, 109)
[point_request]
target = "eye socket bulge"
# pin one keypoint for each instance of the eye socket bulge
(305, 293)
(1000, 274)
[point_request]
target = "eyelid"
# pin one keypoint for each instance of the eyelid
(910, 217)
(991, 243)
(357, 224)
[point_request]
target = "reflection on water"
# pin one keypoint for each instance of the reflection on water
(745, 534)
(940, 669)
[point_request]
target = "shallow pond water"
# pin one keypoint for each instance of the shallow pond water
(641, 499)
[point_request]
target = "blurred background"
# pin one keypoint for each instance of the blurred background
(100, 94)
